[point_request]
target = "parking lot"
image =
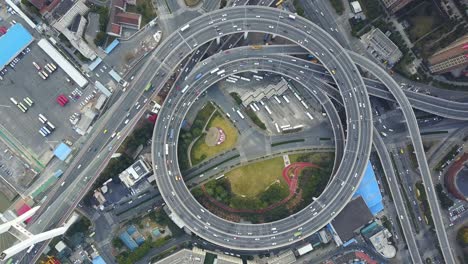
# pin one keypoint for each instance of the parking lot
(286, 114)
(24, 81)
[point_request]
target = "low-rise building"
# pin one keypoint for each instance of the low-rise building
(72, 25)
(452, 57)
(395, 5)
(381, 47)
(134, 173)
(120, 18)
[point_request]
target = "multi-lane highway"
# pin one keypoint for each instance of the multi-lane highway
(160, 67)
(280, 233)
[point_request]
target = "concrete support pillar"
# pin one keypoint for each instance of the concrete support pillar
(246, 34)
(218, 40)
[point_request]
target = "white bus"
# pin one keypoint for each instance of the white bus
(13, 100)
(42, 118)
(48, 68)
(214, 70)
(28, 101)
(297, 96)
(285, 126)
(253, 108)
(52, 66)
(268, 109)
(20, 104)
(182, 29)
(167, 149)
(258, 77)
(185, 89)
(46, 129)
(305, 105)
(286, 99)
(277, 99)
(255, 105)
(235, 76)
(42, 133)
(292, 17)
(240, 114)
(229, 80)
(30, 249)
(49, 124)
(45, 74)
(42, 75)
(277, 128)
(221, 72)
(21, 108)
(262, 103)
(310, 116)
(245, 79)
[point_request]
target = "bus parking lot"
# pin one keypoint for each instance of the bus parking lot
(24, 81)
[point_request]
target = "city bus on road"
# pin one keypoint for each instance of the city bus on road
(240, 114)
(185, 89)
(171, 135)
(182, 29)
(148, 87)
(167, 149)
(214, 70)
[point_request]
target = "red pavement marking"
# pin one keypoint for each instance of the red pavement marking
(451, 175)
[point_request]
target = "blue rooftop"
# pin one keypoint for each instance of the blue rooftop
(98, 260)
(128, 241)
(62, 151)
(112, 46)
(369, 190)
(13, 42)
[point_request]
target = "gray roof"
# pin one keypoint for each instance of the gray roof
(352, 218)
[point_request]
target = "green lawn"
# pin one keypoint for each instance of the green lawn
(421, 26)
(201, 150)
(251, 180)
(316, 158)
(191, 3)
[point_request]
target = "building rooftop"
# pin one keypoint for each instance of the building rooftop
(62, 151)
(382, 245)
(356, 7)
(185, 256)
(13, 42)
(127, 18)
(354, 216)
(134, 173)
(370, 192)
(378, 42)
(457, 48)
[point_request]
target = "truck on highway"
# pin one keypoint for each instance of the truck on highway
(58, 174)
(198, 76)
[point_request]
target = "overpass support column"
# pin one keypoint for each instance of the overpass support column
(218, 40)
(246, 34)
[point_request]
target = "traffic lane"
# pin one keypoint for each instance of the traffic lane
(398, 199)
(419, 151)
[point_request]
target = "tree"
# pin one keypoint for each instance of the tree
(117, 243)
(462, 236)
(445, 201)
